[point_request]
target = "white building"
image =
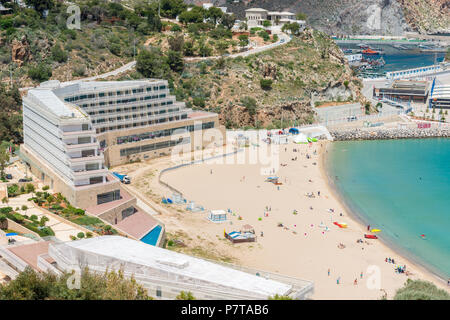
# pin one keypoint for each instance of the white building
(62, 134)
(353, 57)
(256, 16)
(165, 273)
(73, 131)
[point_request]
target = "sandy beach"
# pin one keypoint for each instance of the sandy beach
(302, 248)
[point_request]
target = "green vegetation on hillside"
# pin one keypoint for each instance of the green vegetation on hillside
(30, 285)
(420, 290)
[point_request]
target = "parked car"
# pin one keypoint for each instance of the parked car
(352, 118)
(25, 180)
(8, 176)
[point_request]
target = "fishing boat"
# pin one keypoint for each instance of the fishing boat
(371, 52)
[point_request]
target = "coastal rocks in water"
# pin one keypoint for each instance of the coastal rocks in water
(384, 134)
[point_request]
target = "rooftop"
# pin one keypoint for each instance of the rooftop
(138, 224)
(30, 252)
(168, 261)
(47, 99)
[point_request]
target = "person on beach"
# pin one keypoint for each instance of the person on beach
(368, 227)
(355, 282)
(329, 272)
(361, 275)
(211, 171)
(318, 193)
(338, 280)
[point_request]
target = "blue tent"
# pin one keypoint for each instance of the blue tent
(294, 131)
(11, 234)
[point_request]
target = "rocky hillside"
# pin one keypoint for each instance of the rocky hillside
(385, 17)
(262, 90)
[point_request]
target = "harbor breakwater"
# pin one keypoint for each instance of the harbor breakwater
(386, 134)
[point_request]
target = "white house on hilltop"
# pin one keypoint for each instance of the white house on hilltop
(256, 16)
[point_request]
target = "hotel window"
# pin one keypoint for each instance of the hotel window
(101, 94)
(108, 196)
(119, 93)
(110, 94)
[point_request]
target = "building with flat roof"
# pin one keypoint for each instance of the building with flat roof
(74, 131)
(256, 16)
(165, 273)
(404, 91)
(440, 97)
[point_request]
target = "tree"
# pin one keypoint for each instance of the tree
(153, 20)
(185, 296)
(243, 40)
(176, 43)
(172, 8)
(175, 61)
(293, 28)
(4, 158)
(301, 16)
(243, 26)
(188, 49)
(420, 290)
(196, 15)
(40, 5)
(30, 285)
(228, 20)
(40, 73)
(152, 64)
(214, 14)
(266, 23)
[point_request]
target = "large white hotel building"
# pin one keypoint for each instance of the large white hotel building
(73, 131)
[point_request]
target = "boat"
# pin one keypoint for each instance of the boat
(400, 47)
(433, 50)
(370, 236)
(363, 46)
(371, 52)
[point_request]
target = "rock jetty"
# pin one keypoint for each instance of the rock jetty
(384, 134)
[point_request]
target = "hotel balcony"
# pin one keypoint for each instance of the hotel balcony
(74, 134)
(81, 146)
(89, 173)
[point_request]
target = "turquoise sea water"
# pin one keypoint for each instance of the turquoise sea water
(401, 187)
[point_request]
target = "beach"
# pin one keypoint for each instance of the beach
(302, 248)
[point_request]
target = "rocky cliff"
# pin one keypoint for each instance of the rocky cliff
(381, 17)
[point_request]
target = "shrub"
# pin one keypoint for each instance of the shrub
(73, 238)
(185, 296)
(29, 188)
(266, 84)
(44, 219)
(18, 218)
(420, 290)
(80, 235)
(199, 102)
(13, 190)
(89, 234)
(34, 217)
(45, 188)
(40, 72)
(59, 55)
(24, 208)
(175, 28)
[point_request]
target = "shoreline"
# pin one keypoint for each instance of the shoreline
(281, 250)
(358, 218)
